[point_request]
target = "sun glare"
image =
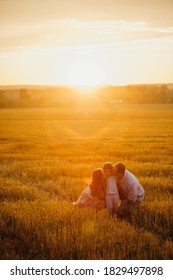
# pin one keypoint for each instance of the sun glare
(84, 73)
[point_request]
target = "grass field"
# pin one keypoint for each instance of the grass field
(46, 157)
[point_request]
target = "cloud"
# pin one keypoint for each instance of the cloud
(67, 33)
(25, 12)
(57, 23)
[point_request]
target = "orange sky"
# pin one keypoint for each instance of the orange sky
(86, 42)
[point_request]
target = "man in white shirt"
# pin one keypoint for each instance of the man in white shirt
(130, 190)
(112, 197)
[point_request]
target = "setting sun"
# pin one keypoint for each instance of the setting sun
(86, 125)
(86, 43)
(85, 73)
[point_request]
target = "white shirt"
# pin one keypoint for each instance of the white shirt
(131, 186)
(111, 185)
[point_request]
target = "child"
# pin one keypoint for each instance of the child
(112, 196)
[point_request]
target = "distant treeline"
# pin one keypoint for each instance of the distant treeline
(67, 96)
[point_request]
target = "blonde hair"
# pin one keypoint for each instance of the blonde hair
(107, 165)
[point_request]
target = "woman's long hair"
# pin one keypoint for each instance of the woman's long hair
(97, 186)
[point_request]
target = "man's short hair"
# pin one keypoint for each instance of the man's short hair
(108, 165)
(120, 167)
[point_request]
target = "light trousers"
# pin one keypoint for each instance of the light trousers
(112, 202)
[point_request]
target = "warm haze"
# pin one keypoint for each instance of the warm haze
(86, 43)
(84, 82)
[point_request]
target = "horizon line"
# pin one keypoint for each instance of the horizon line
(84, 86)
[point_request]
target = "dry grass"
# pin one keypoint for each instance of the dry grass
(46, 157)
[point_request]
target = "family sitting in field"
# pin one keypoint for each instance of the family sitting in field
(114, 188)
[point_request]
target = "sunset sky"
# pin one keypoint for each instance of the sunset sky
(92, 42)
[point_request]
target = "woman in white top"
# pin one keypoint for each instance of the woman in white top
(94, 193)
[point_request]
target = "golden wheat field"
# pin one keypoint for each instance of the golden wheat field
(46, 157)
